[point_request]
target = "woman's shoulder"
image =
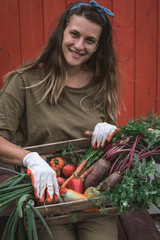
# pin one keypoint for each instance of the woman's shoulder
(26, 78)
(18, 80)
(31, 76)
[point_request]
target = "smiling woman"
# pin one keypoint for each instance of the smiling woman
(69, 88)
(80, 40)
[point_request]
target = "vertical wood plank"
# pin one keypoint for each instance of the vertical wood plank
(145, 60)
(158, 59)
(123, 24)
(51, 12)
(31, 30)
(9, 60)
(106, 4)
(9, 37)
(68, 2)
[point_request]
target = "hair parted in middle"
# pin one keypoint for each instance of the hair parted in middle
(103, 63)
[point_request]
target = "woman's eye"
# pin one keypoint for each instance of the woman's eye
(90, 41)
(74, 34)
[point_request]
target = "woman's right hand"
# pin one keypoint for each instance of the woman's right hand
(102, 132)
(43, 178)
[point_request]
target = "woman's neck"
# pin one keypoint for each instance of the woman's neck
(78, 78)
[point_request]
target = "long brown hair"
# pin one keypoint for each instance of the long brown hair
(103, 62)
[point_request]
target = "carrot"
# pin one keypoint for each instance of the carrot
(86, 172)
(77, 172)
(109, 138)
(88, 133)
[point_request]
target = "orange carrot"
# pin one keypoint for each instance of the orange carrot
(86, 172)
(112, 134)
(88, 133)
(96, 209)
(77, 172)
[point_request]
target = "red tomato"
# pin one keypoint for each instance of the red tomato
(62, 191)
(60, 180)
(76, 184)
(68, 169)
(58, 171)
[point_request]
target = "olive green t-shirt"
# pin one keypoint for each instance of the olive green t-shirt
(34, 122)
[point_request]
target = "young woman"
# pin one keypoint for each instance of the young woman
(69, 88)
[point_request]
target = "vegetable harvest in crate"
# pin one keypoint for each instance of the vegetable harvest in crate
(124, 174)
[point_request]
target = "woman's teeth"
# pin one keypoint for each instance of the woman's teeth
(78, 54)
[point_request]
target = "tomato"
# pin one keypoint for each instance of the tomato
(76, 184)
(57, 162)
(62, 191)
(57, 170)
(60, 180)
(68, 169)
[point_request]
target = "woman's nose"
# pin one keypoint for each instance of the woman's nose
(79, 44)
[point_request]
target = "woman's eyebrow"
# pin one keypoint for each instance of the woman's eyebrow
(90, 37)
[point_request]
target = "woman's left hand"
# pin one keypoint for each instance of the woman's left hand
(101, 133)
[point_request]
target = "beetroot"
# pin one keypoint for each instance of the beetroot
(99, 171)
(110, 182)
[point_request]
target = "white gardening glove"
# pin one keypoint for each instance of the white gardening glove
(43, 177)
(101, 133)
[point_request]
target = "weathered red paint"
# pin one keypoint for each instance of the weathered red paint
(25, 26)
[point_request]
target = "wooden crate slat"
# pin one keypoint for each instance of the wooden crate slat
(59, 146)
(74, 217)
(66, 207)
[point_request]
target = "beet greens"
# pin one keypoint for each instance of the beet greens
(134, 152)
(137, 138)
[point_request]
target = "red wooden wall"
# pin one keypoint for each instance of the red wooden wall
(25, 25)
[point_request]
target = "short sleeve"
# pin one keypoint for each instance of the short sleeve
(12, 101)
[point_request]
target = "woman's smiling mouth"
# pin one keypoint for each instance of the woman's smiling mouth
(76, 54)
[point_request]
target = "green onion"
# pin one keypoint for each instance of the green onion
(29, 220)
(8, 182)
(42, 219)
(12, 171)
(14, 225)
(20, 179)
(15, 188)
(5, 235)
(15, 196)
(21, 230)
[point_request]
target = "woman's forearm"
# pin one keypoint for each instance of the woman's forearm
(10, 153)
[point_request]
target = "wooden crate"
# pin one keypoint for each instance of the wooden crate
(61, 213)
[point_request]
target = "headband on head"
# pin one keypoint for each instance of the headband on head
(100, 9)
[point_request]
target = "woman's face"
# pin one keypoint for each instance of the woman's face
(80, 40)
